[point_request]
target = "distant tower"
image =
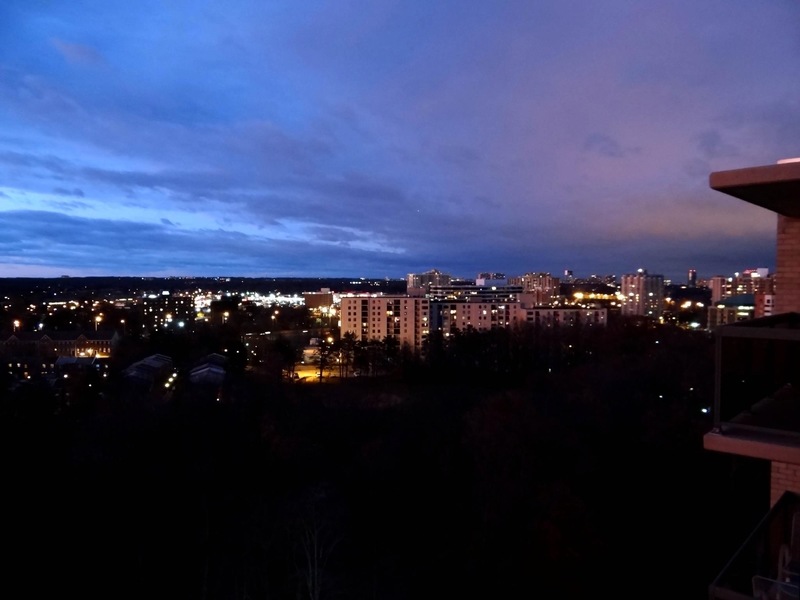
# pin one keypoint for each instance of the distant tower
(568, 278)
(692, 278)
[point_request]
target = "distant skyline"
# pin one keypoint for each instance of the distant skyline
(377, 138)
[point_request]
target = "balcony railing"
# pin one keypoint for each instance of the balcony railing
(757, 389)
(754, 570)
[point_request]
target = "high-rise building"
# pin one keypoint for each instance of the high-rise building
(692, 279)
(642, 294)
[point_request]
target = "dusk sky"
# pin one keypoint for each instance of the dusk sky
(377, 138)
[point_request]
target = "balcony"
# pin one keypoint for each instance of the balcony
(753, 572)
(757, 414)
(757, 389)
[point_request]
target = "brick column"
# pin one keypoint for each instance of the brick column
(784, 477)
(787, 267)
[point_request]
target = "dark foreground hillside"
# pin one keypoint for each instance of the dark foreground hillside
(587, 479)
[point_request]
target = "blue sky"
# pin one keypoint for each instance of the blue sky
(377, 138)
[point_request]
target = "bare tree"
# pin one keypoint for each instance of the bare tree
(315, 536)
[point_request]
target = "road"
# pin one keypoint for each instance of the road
(310, 373)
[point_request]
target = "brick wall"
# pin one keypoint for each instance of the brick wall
(787, 266)
(785, 476)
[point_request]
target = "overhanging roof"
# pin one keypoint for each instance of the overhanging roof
(774, 187)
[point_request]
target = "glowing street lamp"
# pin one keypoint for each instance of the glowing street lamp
(97, 320)
(16, 325)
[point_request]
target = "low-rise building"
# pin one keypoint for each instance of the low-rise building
(731, 310)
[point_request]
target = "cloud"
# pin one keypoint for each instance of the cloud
(77, 54)
(712, 145)
(73, 205)
(605, 145)
(388, 136)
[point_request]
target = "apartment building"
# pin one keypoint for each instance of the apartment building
(642, 294)
(756, 410)
(427, 279)
(26, 354)
(560, 317)
(543, 288)
(749, 281)
(369, 317)
(481, 316)
(164, 309)
(475, 292)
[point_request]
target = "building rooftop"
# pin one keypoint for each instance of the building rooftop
(738, 300)
(774, 187)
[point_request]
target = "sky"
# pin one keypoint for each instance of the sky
(377, 138)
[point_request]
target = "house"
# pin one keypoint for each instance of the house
(149, 371)
(210, 371)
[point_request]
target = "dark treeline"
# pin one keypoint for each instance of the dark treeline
(510, 463)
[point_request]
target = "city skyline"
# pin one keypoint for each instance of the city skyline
(383, 138)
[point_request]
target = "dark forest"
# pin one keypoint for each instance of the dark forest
(509, 463)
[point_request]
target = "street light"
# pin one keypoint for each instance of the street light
(97, 320)
(16, 325)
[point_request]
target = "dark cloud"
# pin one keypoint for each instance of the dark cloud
(131, 248)
(354, 201)
(65, 192)
(52, 164)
